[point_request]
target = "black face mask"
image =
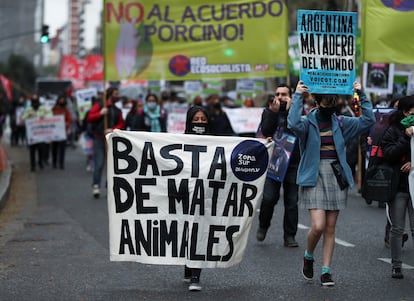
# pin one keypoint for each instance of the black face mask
(35, 104)
(198, 128)
(283, 106)
(327, 112)
(340, 108)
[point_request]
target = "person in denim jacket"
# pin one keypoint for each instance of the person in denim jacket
(323, 137)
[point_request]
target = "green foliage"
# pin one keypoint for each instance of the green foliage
(21, 72)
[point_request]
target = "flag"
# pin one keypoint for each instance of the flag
(387, 27)
(7, 84)
(93, 68)
(72, 69)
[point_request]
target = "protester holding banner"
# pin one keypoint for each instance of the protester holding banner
(59, 147)
(324, 175)
(197, 123)
(274, 124)
(395, 144)
(155, 117)
(97, 117)
(36, 110)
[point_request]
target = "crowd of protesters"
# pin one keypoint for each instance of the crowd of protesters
(310, 184)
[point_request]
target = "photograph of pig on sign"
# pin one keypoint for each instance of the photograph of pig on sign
(327, 50)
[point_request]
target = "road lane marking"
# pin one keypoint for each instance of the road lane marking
(404, 266)
(337, 240)
(344, 243)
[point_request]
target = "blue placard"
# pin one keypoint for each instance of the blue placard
(327, 46)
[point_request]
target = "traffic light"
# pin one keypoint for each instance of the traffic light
(44, 37)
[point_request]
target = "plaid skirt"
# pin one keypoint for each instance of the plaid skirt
(326, 194)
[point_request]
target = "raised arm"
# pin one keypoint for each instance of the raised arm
(295, 121)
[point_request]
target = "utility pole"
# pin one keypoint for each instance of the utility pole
(42, 17)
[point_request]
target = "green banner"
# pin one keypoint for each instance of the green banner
(192, 40)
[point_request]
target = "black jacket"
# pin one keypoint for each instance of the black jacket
(395, 145)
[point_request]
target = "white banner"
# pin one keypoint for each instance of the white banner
(244, 120)
(84, 101)
(46, 129)
(176, 119)
(183, 199)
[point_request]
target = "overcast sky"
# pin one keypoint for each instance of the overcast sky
(56, 15)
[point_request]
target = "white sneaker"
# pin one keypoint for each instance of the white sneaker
(96, 192)
(195, 285)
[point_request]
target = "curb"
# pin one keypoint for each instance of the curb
(5, 178)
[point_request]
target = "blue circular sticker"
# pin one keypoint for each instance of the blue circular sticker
(249, 160)
(179, 65)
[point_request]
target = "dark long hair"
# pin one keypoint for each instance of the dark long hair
(404, 105)
(190, 114)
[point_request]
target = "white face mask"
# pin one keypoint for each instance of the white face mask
(151, 105)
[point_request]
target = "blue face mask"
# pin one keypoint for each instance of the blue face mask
(151, 105)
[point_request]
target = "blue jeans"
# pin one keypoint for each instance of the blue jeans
(99, 160)
(397, 210)
(271, 195)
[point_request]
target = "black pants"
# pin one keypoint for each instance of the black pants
(58, 153)
(192, 272)
(18, 134)
(271, 195)
(36, 148)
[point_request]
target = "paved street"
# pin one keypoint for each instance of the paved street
(54, 246)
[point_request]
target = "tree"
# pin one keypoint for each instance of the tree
(21, 72)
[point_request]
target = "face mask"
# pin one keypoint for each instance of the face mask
(198, 128)
(151, 105)
(283, 106)
(35, 104)
(327, 112)
(340, 109)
